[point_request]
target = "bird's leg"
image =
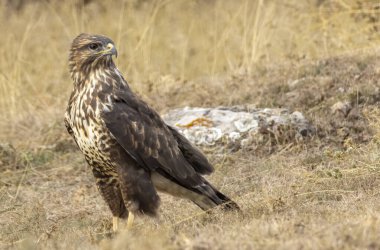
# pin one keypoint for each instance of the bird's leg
(115, 224)
(111, 193)
(131, 218)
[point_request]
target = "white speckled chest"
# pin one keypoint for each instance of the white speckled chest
(89, 130)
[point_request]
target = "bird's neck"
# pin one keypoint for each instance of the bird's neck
(100, 73)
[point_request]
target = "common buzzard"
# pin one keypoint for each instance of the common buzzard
(131, 151)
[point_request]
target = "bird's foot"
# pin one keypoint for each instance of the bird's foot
(131, 218)
(116, 223)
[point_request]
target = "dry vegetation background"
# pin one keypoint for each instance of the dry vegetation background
(319, 192)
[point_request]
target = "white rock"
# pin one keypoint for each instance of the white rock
(206, 126)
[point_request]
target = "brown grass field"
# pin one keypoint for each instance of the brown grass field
(318, 192)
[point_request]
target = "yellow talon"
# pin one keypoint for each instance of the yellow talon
(131, 218)
(116, 221)
(115, 224)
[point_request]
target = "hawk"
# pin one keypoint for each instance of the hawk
(132, 152)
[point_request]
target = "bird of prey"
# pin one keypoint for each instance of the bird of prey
(132, 152)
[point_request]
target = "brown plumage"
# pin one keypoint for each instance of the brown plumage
(130, 149)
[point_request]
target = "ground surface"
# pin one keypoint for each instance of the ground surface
(317, 192)
(321, 191)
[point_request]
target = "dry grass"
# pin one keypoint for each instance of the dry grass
(319, 193)
(163, 40)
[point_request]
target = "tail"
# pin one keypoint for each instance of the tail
(211, 198)
(204, 195)
(227, 203)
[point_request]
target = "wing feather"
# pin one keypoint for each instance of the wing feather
(147, 139)
(193, 155)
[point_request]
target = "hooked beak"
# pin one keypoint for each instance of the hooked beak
(110, 50)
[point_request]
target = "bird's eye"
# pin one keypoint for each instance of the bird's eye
(93, 46)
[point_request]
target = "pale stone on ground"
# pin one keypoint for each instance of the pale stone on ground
(207, 126)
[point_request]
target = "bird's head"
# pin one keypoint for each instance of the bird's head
(88, 52)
